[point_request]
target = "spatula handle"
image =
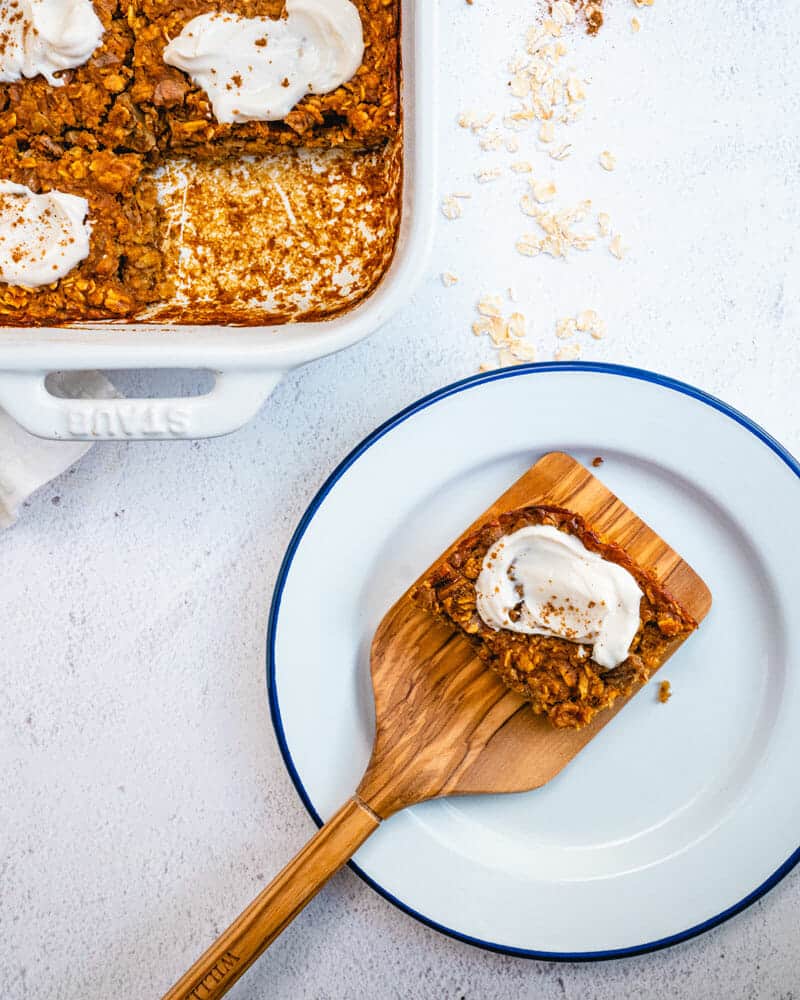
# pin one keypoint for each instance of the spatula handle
(213, 974)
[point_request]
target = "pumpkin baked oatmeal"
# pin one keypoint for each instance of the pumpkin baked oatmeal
(566, 619)
(179, 43)
(87, 105)
(78, 236)
(95, 94)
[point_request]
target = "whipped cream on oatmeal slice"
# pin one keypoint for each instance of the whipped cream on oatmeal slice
(542, 581)
(42, 236)
(259, 68)
(46, 36)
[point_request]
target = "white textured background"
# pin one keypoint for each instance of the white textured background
(144, 801)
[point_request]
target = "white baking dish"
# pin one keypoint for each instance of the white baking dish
(248, 363)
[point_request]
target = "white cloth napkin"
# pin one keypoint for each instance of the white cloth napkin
(26, 462)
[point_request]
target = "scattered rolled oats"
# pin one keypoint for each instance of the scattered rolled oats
(566, 328)
(544, 190)
(562, 11)
(571, 352)
(507, 357)
(507, 335)
(575, 90)
(644, 3)
(636, 24)
(536, 82)
(490, 305)
(562, 152)
(491, 141)
(451, 208)
(468, 119)
(529, 246)
(520, 85)
(542, 89)
(607, 160)
(586, 320)
(499, 332)
(616, 247)
(505, 340)
(449, 279)
(492, 326)
(517, 354)
(547, 132)
(534, 39)
(524, 351)
(516, 325)
(557, 226)
(573, 113)
(519, 120)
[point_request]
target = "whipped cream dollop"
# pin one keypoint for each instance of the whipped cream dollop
(542, 581)
(259, 68)
(42, 236)
(46, 36)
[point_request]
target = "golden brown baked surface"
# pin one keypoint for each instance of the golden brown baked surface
(125, 109)
(92, 109)
(362, 112)
(551, 673)
(124, 266)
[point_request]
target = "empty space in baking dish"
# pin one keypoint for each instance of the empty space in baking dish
(296, 236)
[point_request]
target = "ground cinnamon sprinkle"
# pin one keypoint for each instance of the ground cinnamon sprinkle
(592, 11)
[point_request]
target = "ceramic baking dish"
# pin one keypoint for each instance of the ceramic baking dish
(247, 362)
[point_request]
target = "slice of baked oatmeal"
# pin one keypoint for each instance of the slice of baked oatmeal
(362, 112)
(121, 268)
(88, 106)
(480, 589)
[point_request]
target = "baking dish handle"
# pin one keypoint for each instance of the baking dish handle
(234, 400)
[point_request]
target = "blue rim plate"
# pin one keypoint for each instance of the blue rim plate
(698, 470)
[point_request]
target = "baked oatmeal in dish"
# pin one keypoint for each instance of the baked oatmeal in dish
(248, 76)
(71, 87)
(120, 119)
(78, 236)
(566, 619)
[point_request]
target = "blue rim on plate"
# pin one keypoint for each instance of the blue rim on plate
(434, 397)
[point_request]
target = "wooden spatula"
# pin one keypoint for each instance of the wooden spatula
(446, 724)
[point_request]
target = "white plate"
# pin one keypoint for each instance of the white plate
(676, 816)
